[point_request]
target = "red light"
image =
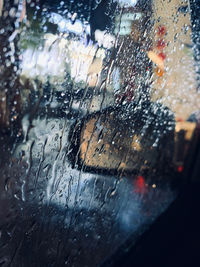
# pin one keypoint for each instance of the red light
(139, 184)
(161, 30)
(162, 55)
(180, 168)
(161, 44)
(140, 181)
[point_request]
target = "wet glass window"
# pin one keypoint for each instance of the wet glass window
(99, 106)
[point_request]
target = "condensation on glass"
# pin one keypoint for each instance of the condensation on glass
(98, 105)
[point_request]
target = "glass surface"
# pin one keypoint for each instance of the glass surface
(98, 104)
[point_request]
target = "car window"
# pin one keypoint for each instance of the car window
(99, 101)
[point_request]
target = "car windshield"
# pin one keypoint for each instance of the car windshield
(99, 102)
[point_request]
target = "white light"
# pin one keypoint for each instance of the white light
(66, 25)
(127, 3)
(104, 39)
(76, 27)
(73, 56)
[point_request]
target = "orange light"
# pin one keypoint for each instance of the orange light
(159, 72)
(156, 59)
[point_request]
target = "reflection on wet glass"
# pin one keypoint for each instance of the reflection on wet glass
(98, 105)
